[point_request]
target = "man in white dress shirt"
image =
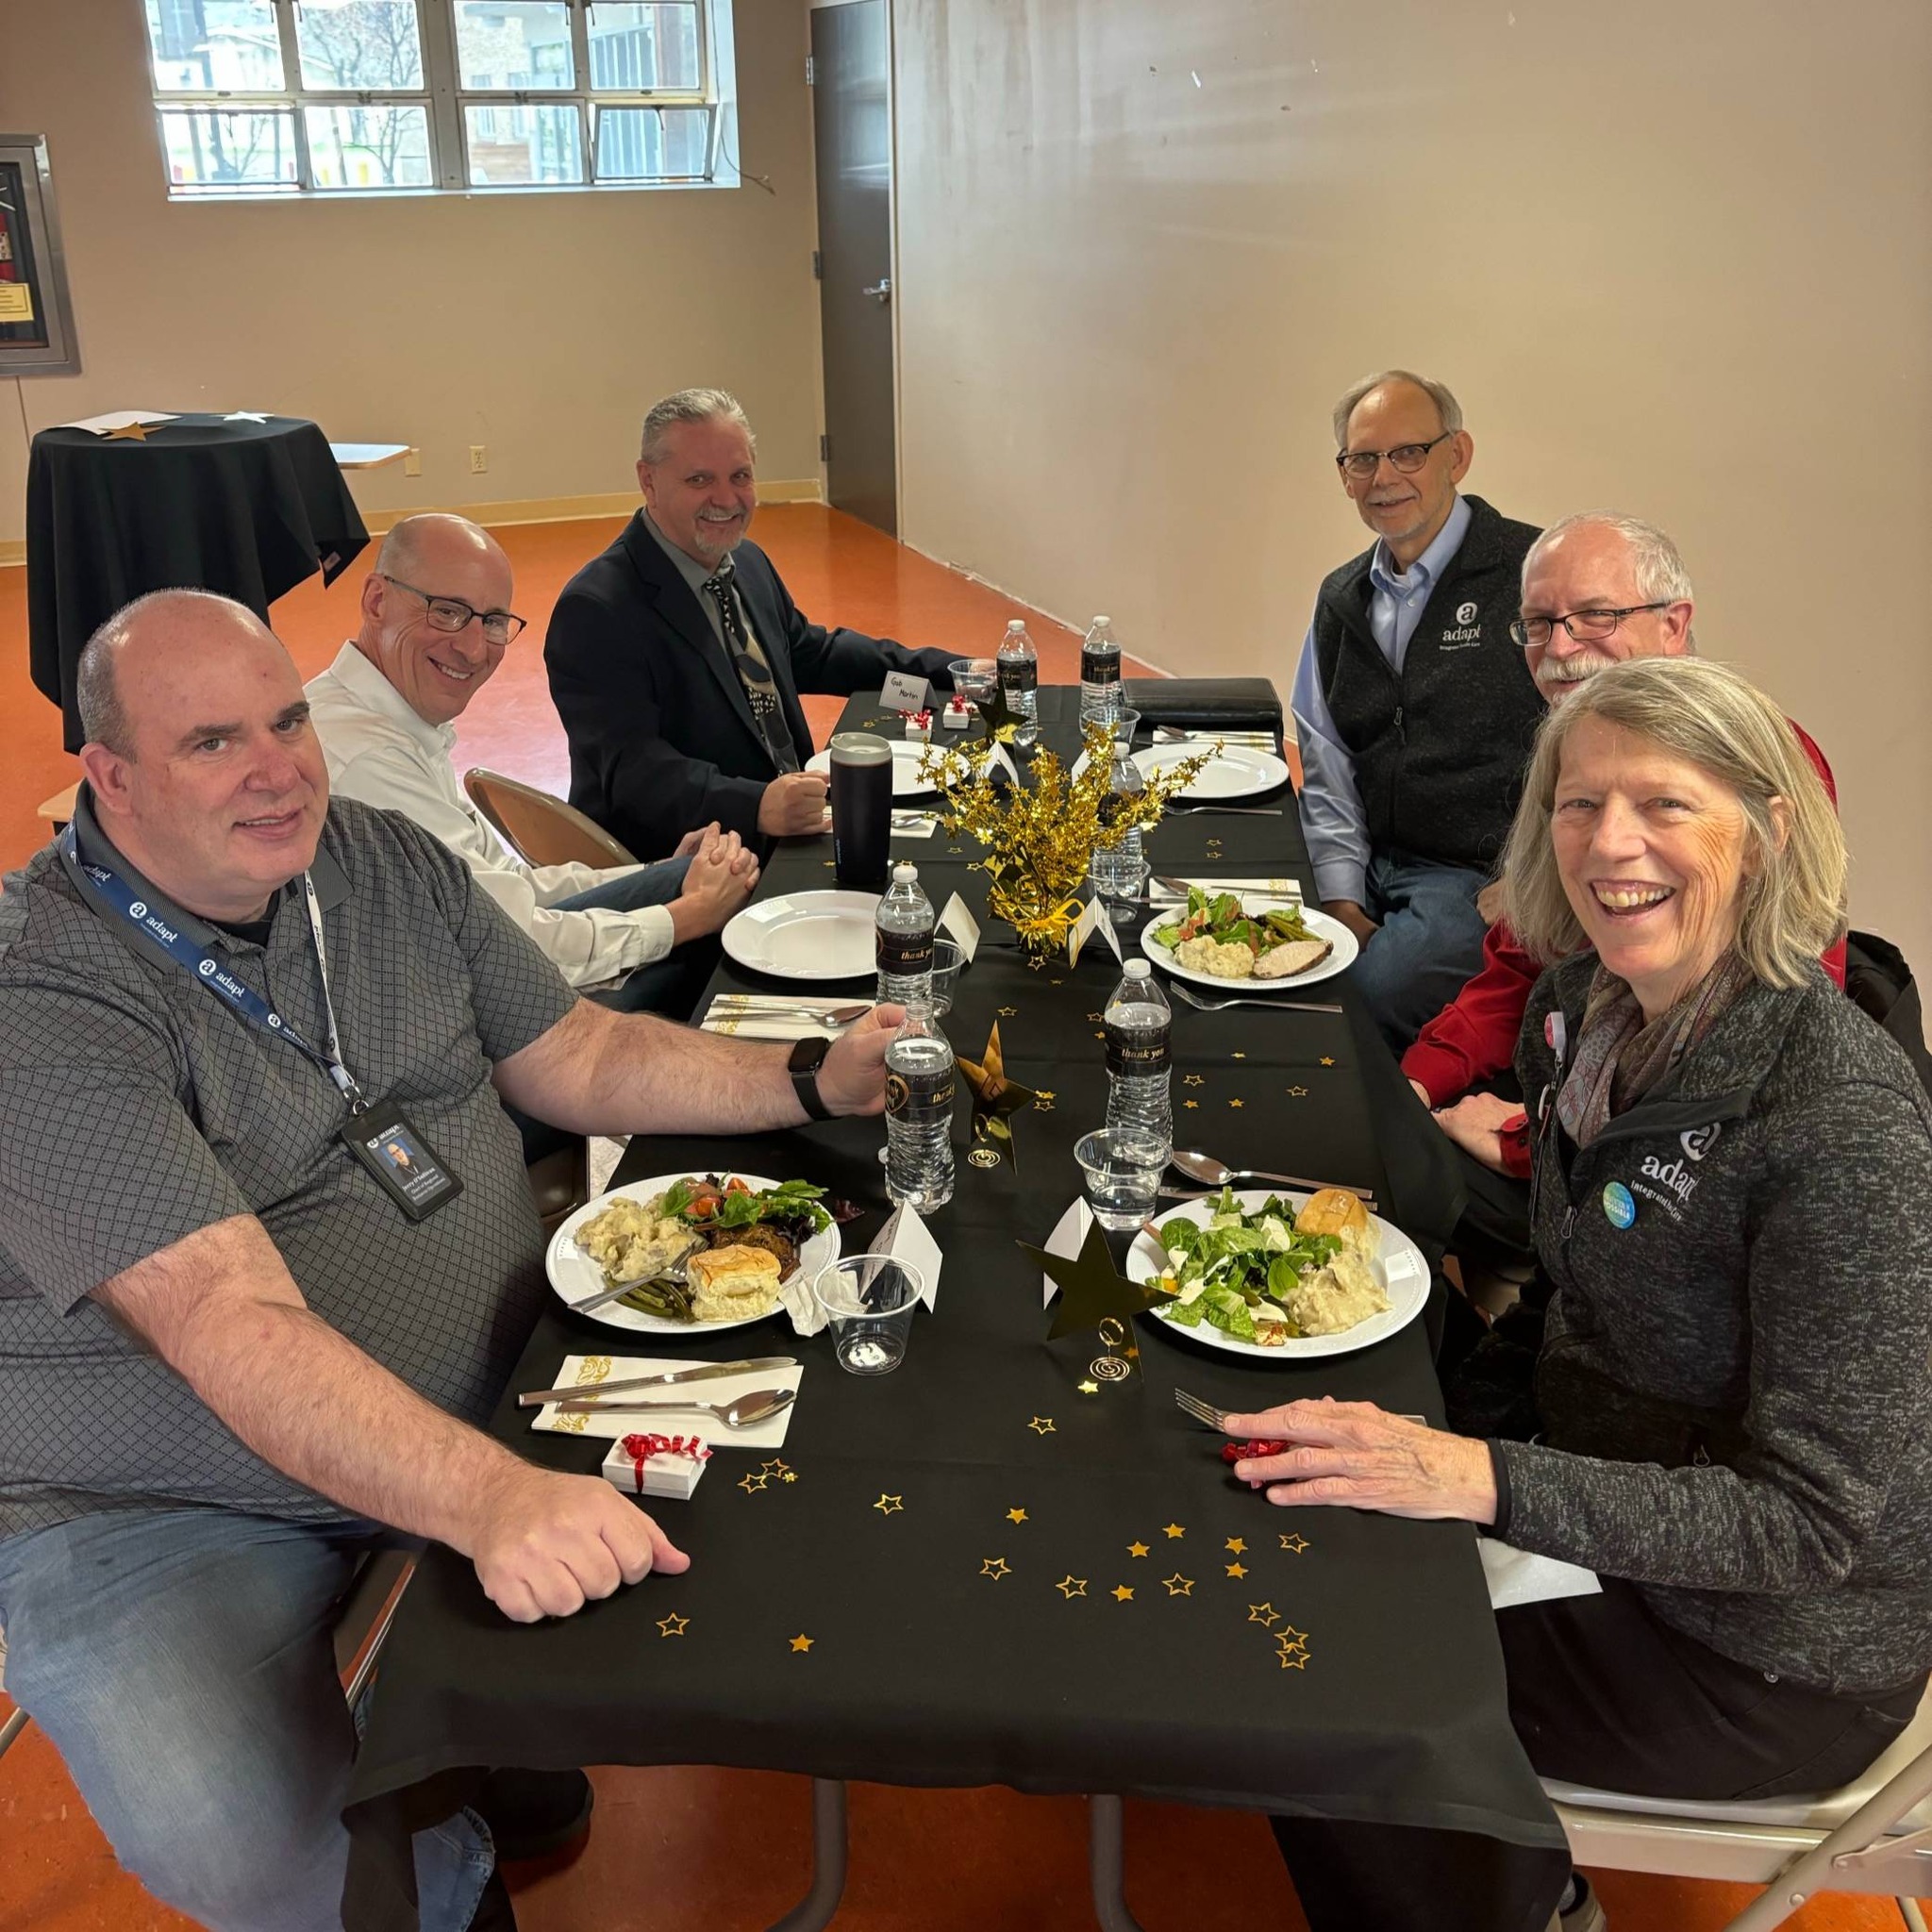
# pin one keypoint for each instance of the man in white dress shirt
(435, 625)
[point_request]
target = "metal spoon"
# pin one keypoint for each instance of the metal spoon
(738, 1008)
(740, 1414)
(1210, 1172)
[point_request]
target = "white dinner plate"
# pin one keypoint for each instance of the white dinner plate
(1398, 1268)
(1346, 947)
(906, 783)
(821, 936)
(1240, 771)
(576, 1276)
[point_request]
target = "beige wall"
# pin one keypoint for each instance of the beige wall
(1676, 255)
(538, 325)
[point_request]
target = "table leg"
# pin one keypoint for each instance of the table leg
(1106, 1834)
(815, 1909)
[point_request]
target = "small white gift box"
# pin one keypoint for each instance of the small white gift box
(653, 1465)
(957, 715)
(919, 728)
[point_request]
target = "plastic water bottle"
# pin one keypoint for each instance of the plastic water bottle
(1139, 1023)
(1100, 673)
(919, 1114)
(904, 926)
(1117, 870)
(1019, 665)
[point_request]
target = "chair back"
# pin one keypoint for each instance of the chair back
(540, 829)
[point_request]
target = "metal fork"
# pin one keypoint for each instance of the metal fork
(1217, 1418)
(1194, 1000)
(1240, 811)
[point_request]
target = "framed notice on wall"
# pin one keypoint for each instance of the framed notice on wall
(36, 325)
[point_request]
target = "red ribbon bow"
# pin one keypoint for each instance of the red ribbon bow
(641, 1448)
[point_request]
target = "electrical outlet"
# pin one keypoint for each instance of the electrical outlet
(413, 462)
(479, 458)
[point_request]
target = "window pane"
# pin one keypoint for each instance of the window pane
(651, 143)
(211, 150)
(369, 147)
(514, 44)
(204, 45)
(359, 44)
(640, 48)
(511, 145)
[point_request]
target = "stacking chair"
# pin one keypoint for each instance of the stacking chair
(1875, 1835)
(540, 829)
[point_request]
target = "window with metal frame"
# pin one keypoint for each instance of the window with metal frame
(263, 97)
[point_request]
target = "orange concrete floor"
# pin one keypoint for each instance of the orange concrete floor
(696, 1850)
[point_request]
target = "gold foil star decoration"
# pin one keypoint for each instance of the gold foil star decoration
(751, 1484)
(1089, 1387)
(1092, 1287)
(1042, 1426)
(1071, 1586)
(1016, 1516)
(1094, 1019)
(1297, 1092)
(1237, 1569)
(1178, 1585)
(1122, 1595)
(1288, 1638)
(1137, 1549)
(802, 1642)
(1263, 1614)
(1043, 1098)
(995, 1099)
(1192, 1106)
(890, 1506)
(672, 1626)
(1235, 1546)
(1237, 1103)
(1009, 1012)
(1294, 1659)
(1237, 1055)
(995, 1567)
(1173, 1531)
(774, 1465)
(1192, 1080)
(1327, 1060)
(1294, 1544)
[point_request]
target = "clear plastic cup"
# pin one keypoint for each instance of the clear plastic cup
(975, 679)
(947, 959)
(869, 1300)
(1122, 1169)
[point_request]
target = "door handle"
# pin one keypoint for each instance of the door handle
(880, 290)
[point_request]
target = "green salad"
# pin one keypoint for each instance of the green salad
(1220, 917)
(1242, 1263)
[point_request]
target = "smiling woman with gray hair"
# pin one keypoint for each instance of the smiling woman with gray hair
(1716, 1393)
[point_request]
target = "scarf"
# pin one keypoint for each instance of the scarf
(1621, 1057)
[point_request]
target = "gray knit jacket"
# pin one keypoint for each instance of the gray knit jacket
(1735, 1390)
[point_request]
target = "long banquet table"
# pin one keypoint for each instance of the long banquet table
(1004, 1579)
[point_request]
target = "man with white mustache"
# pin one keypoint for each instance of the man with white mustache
(677, 658)
(1413, 711)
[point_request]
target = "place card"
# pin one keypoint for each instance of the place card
(1094, 918)
(906, 1238)
(670, 1465)
(585, 1372)
(957, 923)
(1518, 1576)
(1068, 1235)
(904, 691)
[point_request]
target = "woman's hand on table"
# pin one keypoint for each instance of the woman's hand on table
(1475, 1124)
(852, 1079)
(1362, 1456)
(544, 1543)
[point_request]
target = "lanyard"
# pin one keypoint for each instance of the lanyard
(112, 891)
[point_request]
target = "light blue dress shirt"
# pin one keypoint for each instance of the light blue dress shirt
(1333, 820)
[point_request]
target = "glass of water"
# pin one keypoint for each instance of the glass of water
(1122, 1168)
(869, 1300)
(947, 958)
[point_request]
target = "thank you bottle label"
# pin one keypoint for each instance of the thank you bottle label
(918, 1096)
(1099, 667)
(1018, 675)
(901, 953)
(1135, 1053)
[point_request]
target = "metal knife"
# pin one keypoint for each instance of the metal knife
(703, 1372)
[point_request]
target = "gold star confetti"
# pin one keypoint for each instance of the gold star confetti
(672, 1626)
(1327, 1060)
(790, 1475)
(1292, 1659)
(1172, 1531)
(1297, 1092)
(1237, 1103)
(1094, 1019)
(774, 1465)
(1009, 1012)
(1098, 1033)
(1055, 982)
(1192, 1080)
(995, 1567)
(1192, 1106)
(1237, 1055)
(1070, 1587)
(1235, 1546)
(890, 1506)
(1262, 1613)
(1137, 1549)
(751, 1484)
(1178, 1585)
(1291, 1638)
(1122, 1595)
(1016, 1516)
(1089, 1387)
(1043, 1100)
(1294, 1544)
(829, 863)
(1237, 1569)
(802, 1642)
(1042, 1426)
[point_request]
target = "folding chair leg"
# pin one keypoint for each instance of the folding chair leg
(1908, 1910)
(11, 1729)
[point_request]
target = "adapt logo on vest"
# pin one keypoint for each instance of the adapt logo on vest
(1467, 631)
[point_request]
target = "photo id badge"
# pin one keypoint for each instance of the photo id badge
(404, 1165)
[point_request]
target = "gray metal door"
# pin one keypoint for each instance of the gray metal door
(852, 132)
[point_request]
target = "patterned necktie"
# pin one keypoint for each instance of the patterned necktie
(760, 694)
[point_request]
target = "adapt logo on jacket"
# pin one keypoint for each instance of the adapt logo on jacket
(1467, 631)
(1674, 1181)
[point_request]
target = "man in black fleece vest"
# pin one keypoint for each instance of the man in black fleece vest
(1414, 710)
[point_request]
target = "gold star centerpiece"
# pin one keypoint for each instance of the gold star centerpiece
(995, 1099)
(1092, 1287)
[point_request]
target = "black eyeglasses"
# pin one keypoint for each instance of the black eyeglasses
(453, 614)
(1358, 465)
(1585, 626)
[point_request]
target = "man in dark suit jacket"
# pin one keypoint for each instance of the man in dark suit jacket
(677, 658)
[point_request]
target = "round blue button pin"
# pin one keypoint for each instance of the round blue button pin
(1619, 1206)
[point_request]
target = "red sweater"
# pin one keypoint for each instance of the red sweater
(1474, 1038)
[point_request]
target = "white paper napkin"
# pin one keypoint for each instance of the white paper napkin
(1516, 1577)
(766, 1016)
(1069, 1231)
(914, 824)
(587, 1371)
(1278, 889)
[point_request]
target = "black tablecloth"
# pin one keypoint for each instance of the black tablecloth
(957, 1533)
(246, 508)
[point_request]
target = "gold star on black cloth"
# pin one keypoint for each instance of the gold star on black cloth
(995, 1099)
(1092, 1287)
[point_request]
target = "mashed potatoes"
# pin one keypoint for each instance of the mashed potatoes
(1210, 955)
(631, 1240)
(1336, 1296)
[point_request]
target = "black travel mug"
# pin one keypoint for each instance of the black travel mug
(861, 811)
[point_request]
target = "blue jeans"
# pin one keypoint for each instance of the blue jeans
(671, 984)
(1430, 945)
(181, 1662)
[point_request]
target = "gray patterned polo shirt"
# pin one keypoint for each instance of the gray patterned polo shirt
(136, 1107)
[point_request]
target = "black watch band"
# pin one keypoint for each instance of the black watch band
(808, 1057)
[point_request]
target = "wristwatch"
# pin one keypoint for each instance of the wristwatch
(808, 1057)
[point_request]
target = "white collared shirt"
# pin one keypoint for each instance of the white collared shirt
(380, 752)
